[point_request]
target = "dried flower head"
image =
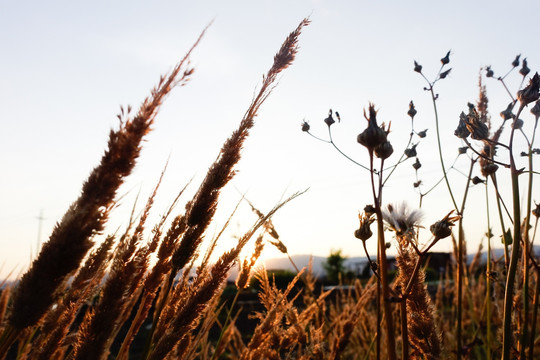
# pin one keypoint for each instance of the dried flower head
(411, 152)
(305, 126)
(518, 124)
(444, 74)
(489, 72)
(412, 111)
(446, 59)
(462, 131)
(401, 219)
(477, 128)
(369, 210)
(524, 68)
(536, 110)
(422, 133)
(463, 150)
(476, 180)
(417, 67)
(515, 63)
(364, 232)
(508, 114)
(488, 169)
(442, 228)
(417, 183)
(536, 211)
(417, 164)
(531, 92)
(384, 150)
(373, 135)
(329, 120)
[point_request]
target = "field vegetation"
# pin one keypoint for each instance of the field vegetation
(152, 291)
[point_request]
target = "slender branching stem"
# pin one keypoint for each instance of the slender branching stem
(511, 276)
(226, 323)
(390, 339)
(488, 277)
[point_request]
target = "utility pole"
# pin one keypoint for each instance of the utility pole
(40, 225)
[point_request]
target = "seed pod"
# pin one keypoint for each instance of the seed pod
(417, 67)
(476, 180)
(515, 63)
(531, 92)
(412, 111)
(373, 135)
(444, 74)
(488, 169)
(442, 228)
(445, 60)
(536, 211)
(384, 150)
(507, 114)
(462, 131)
(536, 109)
(524, 68)
(305, 126)
(364, 232)
(411, 152)
(422, 133)
(329, 120)
(489, 72)
(463, 150)
(369, 210)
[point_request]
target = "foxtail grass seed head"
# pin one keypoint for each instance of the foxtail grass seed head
(412, 111)
(531, 92)
(417, 164)
(515, 63)
(305, 126)
(417, 67)
(373, 135)
(442, 228)
(330, 119)
(401, 219)
(507, 114)
(462, 131)
(524, 68)
(364, 232)
(384, 150)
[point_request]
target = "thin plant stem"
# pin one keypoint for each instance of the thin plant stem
(226, 323)
(390, 338)
(511, 276)
(526, 250)
(488, 277)
(404, 331)
(536, 305)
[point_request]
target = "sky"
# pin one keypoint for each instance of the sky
(67, 66)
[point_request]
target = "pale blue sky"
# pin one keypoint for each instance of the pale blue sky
(67, 66)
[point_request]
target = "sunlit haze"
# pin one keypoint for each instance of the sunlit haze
(66, 67)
